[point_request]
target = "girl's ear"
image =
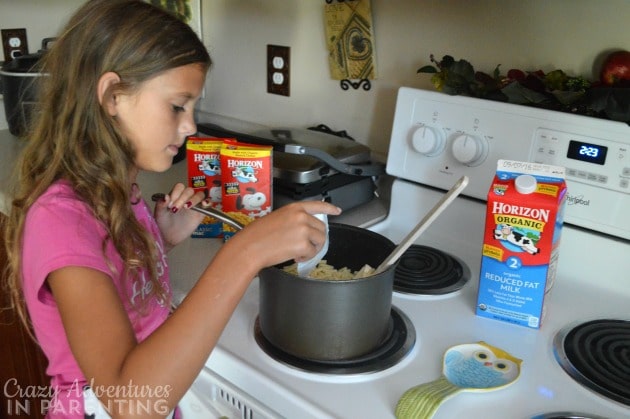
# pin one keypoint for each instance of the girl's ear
(105, 87)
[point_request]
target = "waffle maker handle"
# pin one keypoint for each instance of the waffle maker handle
(363, 169)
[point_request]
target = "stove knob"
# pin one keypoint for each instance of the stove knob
(469, 149)
(428, 141)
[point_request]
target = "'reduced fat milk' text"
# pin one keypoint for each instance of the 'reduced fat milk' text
(521, 242)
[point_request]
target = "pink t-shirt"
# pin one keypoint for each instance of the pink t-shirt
(60, 231)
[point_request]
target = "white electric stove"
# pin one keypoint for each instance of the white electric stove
(437, 138)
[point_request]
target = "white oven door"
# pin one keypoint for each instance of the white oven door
(211, 396)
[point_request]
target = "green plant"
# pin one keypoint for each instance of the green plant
(554, 90)
(458, 77)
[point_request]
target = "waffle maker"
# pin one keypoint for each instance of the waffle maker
(312, 164)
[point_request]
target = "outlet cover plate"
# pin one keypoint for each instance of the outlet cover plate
(278, 65)
(14, 43)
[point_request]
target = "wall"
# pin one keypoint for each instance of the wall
(527, 34)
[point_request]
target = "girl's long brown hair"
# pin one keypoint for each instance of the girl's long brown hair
(73, 138)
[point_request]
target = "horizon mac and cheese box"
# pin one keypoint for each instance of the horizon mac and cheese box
(247, 182)
(204, 174)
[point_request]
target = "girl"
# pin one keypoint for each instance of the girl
(123, 80)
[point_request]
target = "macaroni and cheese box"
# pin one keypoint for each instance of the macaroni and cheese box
(204, 174)
(523, 226)
(247, 180)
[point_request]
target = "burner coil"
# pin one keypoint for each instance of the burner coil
(597, 355)
(426, 270)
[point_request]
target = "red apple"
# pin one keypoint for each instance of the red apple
(616, 68)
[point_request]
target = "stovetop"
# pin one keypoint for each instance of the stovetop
(436, 139)
(443, 321)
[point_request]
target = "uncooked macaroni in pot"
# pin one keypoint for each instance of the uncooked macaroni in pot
(328, 272)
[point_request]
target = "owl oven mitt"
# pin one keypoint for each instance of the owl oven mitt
(468, 367)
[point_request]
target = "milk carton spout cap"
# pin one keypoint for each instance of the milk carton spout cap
(525, 184)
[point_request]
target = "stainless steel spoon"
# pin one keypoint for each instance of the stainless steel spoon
(219, 215)
(209, 211)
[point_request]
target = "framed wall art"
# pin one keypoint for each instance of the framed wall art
(187, 10)
(350, 42)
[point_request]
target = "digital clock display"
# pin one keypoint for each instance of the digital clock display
(591, 153)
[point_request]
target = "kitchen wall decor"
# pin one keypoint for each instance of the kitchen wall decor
(350, 42)
(187, 10)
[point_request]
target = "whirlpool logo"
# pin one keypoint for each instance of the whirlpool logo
(578, 200)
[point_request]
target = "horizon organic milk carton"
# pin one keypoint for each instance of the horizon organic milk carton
(524, 217)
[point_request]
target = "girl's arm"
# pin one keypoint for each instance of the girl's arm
(102, 339)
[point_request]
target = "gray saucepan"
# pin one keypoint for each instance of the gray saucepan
(331, 320)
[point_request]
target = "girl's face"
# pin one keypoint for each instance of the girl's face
(159, 116)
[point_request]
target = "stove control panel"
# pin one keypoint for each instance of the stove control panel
(594, 161)
(437, 138)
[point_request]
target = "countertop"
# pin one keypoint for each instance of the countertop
(189, 259)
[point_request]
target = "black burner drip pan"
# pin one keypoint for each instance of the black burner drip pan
(430, 271)
(597, 355)
(395, 348)
(567, 415)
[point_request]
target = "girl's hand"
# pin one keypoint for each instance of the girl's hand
(289, 232)
(176, 223)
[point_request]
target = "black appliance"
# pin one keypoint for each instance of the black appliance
(18, 82)
(312, 164)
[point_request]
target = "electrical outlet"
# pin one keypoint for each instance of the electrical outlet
(278, 79)
(14, 43)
